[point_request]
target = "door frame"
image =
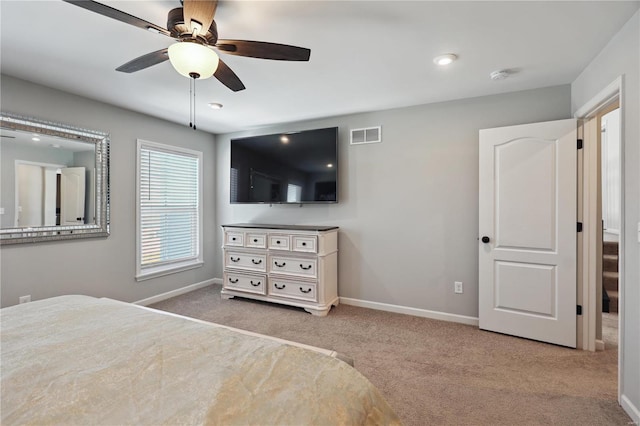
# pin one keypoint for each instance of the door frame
(587, 205)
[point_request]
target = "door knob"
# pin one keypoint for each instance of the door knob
(486, 239)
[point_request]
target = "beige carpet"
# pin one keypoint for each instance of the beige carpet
(435, 372)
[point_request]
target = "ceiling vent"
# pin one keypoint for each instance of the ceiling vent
(367, 135)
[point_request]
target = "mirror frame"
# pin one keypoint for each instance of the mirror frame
(54, 233)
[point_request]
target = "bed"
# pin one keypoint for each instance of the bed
(82, 360)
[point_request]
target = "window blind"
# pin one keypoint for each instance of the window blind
(234, 185)
(169, 210)
(294, 193)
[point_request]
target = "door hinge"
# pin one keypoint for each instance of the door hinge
(579, 226)
(579, 309)
(580, 144)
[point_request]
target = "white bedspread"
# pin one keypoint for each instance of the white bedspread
(77, 360)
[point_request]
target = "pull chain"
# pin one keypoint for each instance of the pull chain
(190, 104)
(192, 100)
(194, 103)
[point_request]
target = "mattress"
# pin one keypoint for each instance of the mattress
(82, 360)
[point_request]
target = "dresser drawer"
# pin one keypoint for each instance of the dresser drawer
(256, 241)
(304, 243)
(278, 242)
(234, 238)
(293, 266)
(292, 289)
(244, 260)
(249, 283)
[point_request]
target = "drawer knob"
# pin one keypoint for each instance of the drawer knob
(305, 291)
(233, 239)
(279, 288)
(232, 281)
(255, 284)
(255, 240)
(278, 242)
(237, 259)
(259, 261)
(275, 262)
(305, 268)
(304, 244)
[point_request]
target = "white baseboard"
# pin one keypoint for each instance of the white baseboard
(630, 409)
(442, 316)
(177, 292)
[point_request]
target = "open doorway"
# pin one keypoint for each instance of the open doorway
(590, 207)
(611, 187)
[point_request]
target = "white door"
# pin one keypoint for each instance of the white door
(49, 196)
(72, 186)
(527, 247)
(29, 186)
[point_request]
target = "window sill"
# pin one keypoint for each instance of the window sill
(159, 271)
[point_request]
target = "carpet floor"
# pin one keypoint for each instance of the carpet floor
(436, 372)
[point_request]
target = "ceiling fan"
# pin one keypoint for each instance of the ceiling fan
(195, 30)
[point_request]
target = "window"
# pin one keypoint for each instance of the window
(294, 193)
(169, 209)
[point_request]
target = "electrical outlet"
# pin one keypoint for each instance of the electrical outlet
(25, 299)
(457, 287)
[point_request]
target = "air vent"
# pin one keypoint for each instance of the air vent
(367, 135)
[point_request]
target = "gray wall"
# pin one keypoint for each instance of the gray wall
(101, 267)
(622, 57)
(408, 207)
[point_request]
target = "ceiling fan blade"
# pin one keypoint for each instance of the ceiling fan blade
(228, 77)
(145, 61)
(264, 50)
(118, 15)
(200, 11)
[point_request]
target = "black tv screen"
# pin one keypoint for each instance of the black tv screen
(292, 167)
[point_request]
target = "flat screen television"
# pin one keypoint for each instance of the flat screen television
(292, 167)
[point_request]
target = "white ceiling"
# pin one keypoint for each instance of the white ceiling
(28, 139)
(365, 55)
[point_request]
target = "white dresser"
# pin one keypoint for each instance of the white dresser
(292, 265)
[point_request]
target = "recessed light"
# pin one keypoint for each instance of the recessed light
(329, 165)
(215, 105)
(55, 145)
(35, 139)
(445, 59)
(284, 139)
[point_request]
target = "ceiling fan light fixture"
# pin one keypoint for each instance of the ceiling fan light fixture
(189, 58)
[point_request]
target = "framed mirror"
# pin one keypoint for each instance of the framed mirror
(54, 181)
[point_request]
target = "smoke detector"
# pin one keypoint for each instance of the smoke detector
(499, 75)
